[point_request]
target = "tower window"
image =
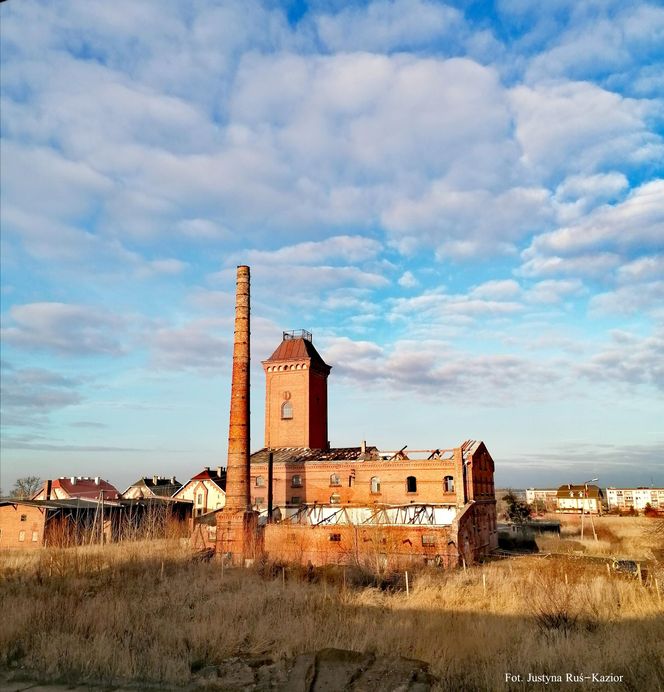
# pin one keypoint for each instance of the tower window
(375, 484)
(411, 484)
(296, 482)
(335, 479)
(286, 410)
(260, 481)
(335, 499)
(448, 484)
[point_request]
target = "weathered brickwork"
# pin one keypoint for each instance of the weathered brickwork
(21, 526)
(371, 546)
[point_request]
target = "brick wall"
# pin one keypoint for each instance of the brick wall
(371, 546)
(351, 482)
(21, 526)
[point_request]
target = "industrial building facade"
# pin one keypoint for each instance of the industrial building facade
(300, 499)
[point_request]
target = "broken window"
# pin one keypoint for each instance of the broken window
(295, 500)
(448, 484)
(335, 537)
(296, 481)
(375, 484)
(335, 499)
(411, 484)
(286, 410)
(335, 479)
(428, 539)
(24, 517)
(260, 481)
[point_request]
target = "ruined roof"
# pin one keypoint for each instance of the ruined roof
(297, 349)
(304, 454)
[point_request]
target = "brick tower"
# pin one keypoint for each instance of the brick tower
(237, 523)
(296, 394)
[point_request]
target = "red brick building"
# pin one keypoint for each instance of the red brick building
(299, 499)
(21, 525)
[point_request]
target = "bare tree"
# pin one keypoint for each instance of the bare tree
(25, 487)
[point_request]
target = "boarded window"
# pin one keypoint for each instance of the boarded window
(411, 484)
(296, 481)
(35, 536)
(21, 535)
(448, 484)
(286, 410)
(375, 484)
(335, 537)
(335, 479)
(335, 499)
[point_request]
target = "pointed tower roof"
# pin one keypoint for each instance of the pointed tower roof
(297, 345)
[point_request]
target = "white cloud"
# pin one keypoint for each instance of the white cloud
(66, 329)
(349, 249)
(386, 25)
(578, 126)
(408, 280)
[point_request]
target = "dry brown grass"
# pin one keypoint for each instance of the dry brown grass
(630, 537)
(147, 612)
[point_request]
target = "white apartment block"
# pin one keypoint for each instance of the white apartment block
(638, 498)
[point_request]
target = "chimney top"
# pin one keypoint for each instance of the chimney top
(155, 478)
(73, 480)
(97, 480)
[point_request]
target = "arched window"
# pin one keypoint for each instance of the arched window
(375, 484)
(335, 499)
(286, 410)
(411, 484)
(296, 481)
(335, 479)
(260, 481)
(448, 484)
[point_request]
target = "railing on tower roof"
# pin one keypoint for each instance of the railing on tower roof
(298, 334)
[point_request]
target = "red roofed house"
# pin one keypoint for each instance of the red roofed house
(207, 491)
(77, 487)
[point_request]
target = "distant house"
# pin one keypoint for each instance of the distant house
(155, 486)
(580, 498)
(635, 498)
(542, 498)
(206, 490)
(77, 487)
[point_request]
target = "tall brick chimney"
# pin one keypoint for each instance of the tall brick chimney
(238, 490)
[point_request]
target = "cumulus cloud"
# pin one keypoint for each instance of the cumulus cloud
(66, 329)
(387, 25)
(194, 346)
(29, 395)
(344, 248)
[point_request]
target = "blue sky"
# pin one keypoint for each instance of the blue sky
(464, 202)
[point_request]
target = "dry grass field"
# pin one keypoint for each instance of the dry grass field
(147, 612)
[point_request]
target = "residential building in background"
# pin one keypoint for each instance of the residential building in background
(635, 498)
(580, 498)
(77, 487)
(206, 490)
(154, 486)
(542, 498)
